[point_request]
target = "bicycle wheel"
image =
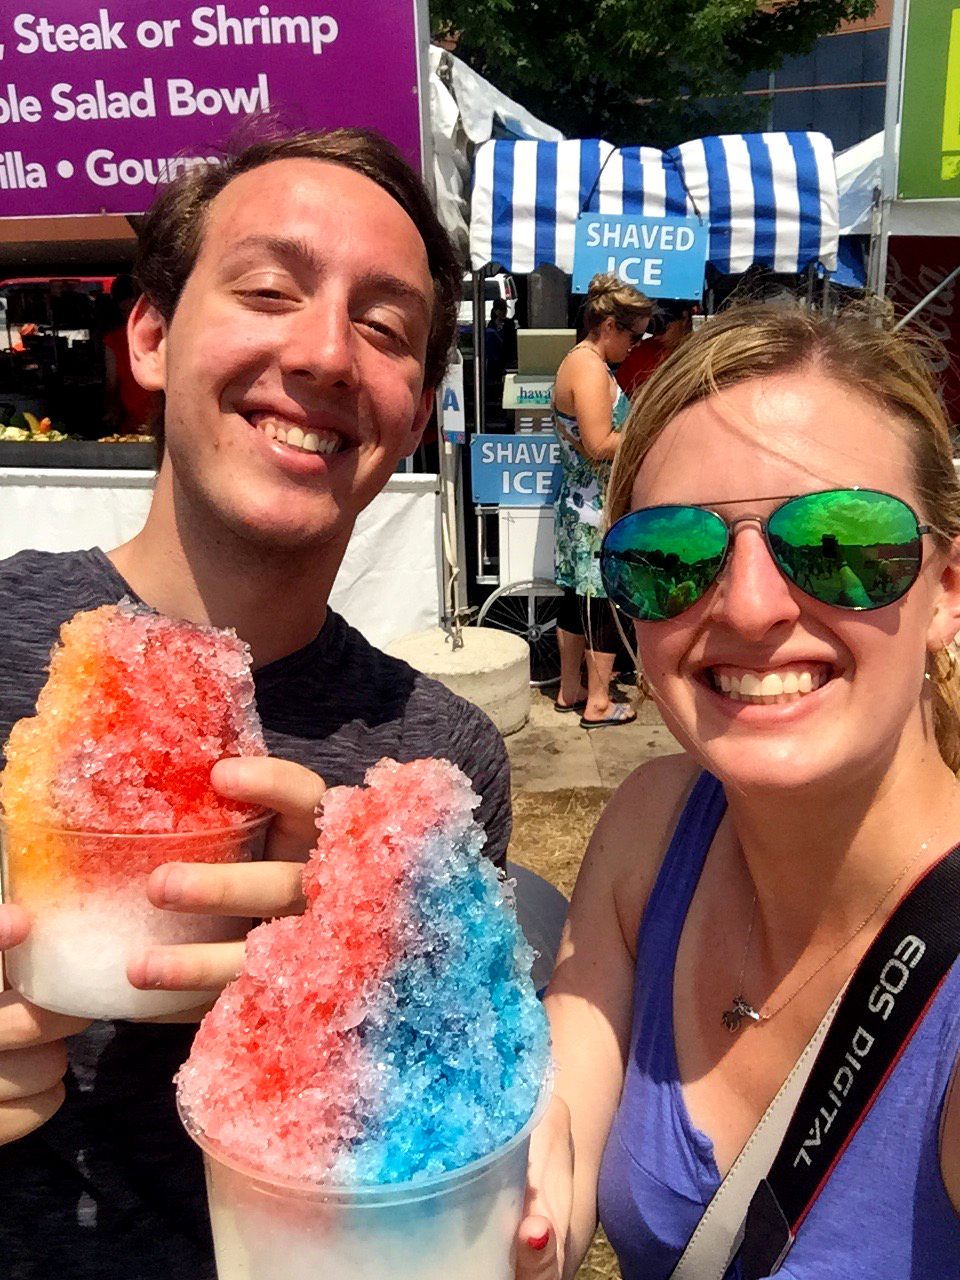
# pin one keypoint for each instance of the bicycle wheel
(529, 610)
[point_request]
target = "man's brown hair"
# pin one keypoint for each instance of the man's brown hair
(172, 232)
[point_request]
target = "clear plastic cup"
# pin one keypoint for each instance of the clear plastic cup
(86, 896)
(462, 1223)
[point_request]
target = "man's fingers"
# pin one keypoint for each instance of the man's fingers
(259, 889)
(537, 1250)
(290, 790)
(21, 1117)
(23, 1024)
(26, 1072)
(275, 784)
(200, 966)
(14, 925)
(33, 1060)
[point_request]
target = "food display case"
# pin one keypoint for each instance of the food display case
(55, 400)
(63, 486)
(52, 365)
(64, 482)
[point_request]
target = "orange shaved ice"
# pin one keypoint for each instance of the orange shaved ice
(136, 710)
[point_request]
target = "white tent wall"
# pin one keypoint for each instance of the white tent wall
(464, 110)
(384, 595)
(860, 179)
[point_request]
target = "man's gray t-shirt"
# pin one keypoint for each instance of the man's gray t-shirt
(111, 1187)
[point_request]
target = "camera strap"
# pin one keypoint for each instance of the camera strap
(832, 1087)
(883, 1005)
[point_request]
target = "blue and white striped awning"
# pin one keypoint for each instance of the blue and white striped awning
(769, 198)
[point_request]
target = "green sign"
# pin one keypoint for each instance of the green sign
(929, 161)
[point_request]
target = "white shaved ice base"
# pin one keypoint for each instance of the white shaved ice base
(75, 959)
(467, 1229)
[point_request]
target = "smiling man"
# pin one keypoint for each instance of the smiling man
(298, 306)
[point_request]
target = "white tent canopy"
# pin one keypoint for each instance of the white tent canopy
(768, 198)
(481, 105)
(859, 173)
(860, 179)
(466, 110)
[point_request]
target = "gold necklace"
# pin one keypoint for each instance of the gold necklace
(742, 1010)
(586, 345)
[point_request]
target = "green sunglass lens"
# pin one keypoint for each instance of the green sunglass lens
(657, 562)
(850, 547)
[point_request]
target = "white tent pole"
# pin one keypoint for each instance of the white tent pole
(479, 351)
(421, 16)
(879, 246)
(449, 531)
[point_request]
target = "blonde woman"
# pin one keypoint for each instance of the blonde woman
(785, 530)
(589, 410)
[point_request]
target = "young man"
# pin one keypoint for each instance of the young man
(298, 306)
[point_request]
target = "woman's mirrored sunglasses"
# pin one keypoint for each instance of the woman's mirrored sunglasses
(851, 548)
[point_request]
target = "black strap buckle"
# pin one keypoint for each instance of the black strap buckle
(767, 1236)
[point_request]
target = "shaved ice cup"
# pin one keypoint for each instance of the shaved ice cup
(457, 1224)
(86, 894)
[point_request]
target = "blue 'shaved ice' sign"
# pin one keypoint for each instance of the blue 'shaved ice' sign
(515, 471)
(662, 257)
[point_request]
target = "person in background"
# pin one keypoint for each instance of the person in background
(494, 355)
(589, 409)
(669, 325)
(494, 345)
(127, 405)
(729, 892)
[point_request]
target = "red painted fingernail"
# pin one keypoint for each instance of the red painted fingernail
(539, 1242)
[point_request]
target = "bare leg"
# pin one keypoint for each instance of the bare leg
(599, 675)
(571, 660)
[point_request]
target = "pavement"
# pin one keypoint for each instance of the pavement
(552, 753)
(562, 776)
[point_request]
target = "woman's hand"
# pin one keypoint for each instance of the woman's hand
(259, 889)
(542, 1237)
(33, 1056)
(589, 1002)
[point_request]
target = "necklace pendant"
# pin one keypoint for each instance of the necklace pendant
(734, 1016)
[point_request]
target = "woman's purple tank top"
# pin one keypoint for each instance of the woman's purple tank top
(883, 1215)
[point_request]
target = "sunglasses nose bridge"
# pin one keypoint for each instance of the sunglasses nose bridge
(747, 518)
(733, 527)
(753, 591)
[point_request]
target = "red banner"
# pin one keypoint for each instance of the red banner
(915, 265)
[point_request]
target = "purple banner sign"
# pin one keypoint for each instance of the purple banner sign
(100, 102)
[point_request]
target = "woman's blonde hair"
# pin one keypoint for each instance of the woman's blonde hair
(610, 296)
(761, 339)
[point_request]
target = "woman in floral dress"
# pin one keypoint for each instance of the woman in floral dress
(589, 409)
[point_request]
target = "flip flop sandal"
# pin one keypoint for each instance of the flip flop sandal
(622, 713)
(574, 706)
